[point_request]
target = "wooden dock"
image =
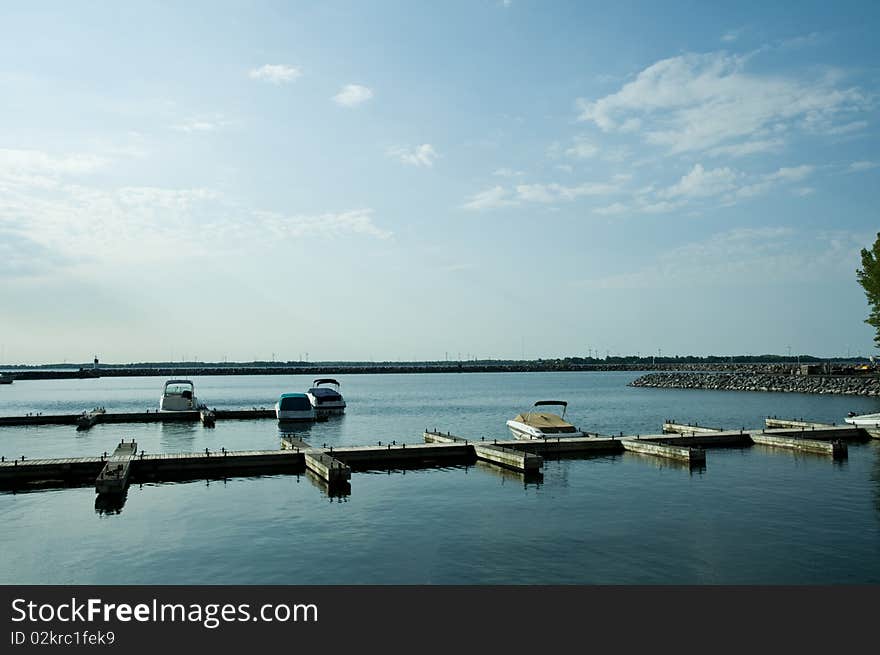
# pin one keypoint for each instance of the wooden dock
(671, 427)
(837, 448)
(86, 420)
(113, 478)
(774, 422)
(334, 465)
(692, 455)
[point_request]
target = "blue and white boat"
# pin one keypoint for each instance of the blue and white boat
(326, 399)
(294, 407)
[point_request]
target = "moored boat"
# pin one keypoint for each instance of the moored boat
(294, 407)
(178, 396)
(864, 420)
(539, 424)
(326, 399)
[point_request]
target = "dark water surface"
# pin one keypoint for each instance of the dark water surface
(753, 515)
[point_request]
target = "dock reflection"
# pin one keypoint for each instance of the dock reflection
(110, 504)
(530, 479)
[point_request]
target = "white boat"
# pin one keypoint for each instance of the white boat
(326, 400)
(294, 407)
(178, 396)
(538, 425)
(864, 420)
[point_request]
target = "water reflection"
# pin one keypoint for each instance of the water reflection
(297, 429)
(667, 463)
(110, 504)
(529, 479)
(338, 492)
(177, 436)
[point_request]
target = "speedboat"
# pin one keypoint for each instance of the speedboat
(326, 400)
(294, 407)
(536, 424)
(864, 420)
(178, 396)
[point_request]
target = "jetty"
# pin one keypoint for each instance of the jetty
(86, 420)
(685, 443)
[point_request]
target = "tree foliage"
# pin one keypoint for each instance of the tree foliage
(869, 278)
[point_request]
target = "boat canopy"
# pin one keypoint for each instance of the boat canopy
(294, 401)
(562, 403)
(320, 381)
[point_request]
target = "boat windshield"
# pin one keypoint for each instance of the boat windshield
(179, 390)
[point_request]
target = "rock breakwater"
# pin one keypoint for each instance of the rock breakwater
(857, 385)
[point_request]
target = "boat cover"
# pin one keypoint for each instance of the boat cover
(546, 422)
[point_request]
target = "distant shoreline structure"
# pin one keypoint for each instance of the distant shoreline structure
(815, 383)
(166, 369)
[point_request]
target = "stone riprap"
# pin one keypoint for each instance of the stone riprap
(857, 385)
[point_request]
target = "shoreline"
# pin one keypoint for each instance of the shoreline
(323, 369)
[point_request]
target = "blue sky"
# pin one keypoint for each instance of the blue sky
(415, 180)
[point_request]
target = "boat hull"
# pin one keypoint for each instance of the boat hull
(522, 431)
(864, 421)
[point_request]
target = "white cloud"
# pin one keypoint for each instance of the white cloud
(611, 210)
(847, 128)
(698, 102)
(508, 172)
(549, 193)
(59, 212)
(699, 183)
(858, 166)
(276, 73)
(748, 148)
(730, 36)
(581, 149)
(195, 125)
(352, 95)
(330, 224)
(423, 155)
(743, 257)
(14, 162)
(804, 191)
(492, 198)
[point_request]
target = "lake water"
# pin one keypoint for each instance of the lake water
(751, 516)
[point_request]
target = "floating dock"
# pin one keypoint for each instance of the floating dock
(671, 427)
(113, 479)
(86, 420)
(111, 474)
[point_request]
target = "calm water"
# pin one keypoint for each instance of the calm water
(753, 515)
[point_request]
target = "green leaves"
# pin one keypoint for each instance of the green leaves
(869, 278)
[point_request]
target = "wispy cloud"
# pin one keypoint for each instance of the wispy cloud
(731, 35)
(492, 198)
(699, 183)
(581, 148)
(743, 257)
(353, 95)
(423, 155)
(49, 202)
(859, 166)
(276, 73)
(699, 102)
(507, 172)
(195, 125)
(550, 193)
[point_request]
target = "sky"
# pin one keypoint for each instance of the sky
(435, 180)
